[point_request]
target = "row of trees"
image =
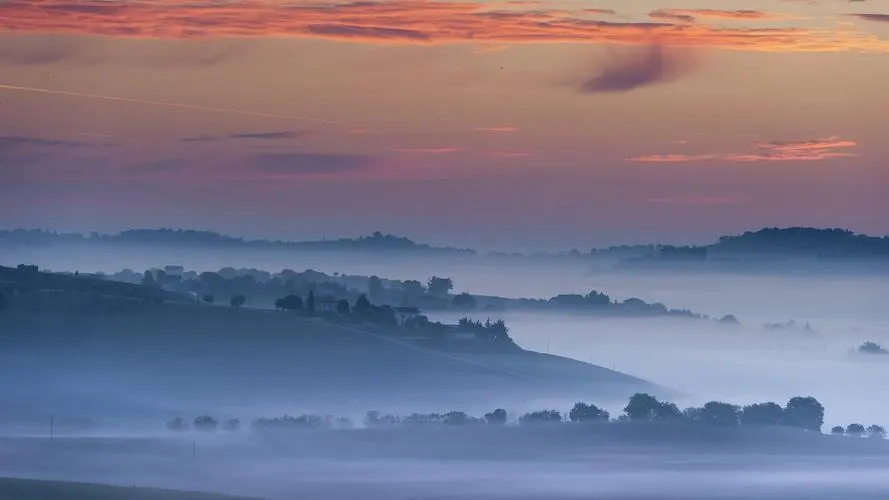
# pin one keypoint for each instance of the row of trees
(876, 431)
(799, 412)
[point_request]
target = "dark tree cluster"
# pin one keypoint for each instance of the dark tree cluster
(489, 330)
(871, 348)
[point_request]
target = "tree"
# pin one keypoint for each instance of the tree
(412, 290)
(237, 300)
(291, 302)
(762, 414)
(876, 431)
(496, 417)
(177, 424)
(837, 430)
(208, 298)
(362, 305)
(805, 413)
(855, 429)
(871, 348)
(464, 301)
(642, 407)
(310, 302)
(583, 412)
(719, 414)
(667, 411)
(342, 306)
(205, 423)
(439, 286)
(457, 418)
(375, 288)
(541, 417)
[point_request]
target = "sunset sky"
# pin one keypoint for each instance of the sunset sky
(492, 124)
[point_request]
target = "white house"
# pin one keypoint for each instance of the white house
(405, 314)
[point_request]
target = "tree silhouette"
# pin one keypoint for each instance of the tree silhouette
(762, 414)
(290, 302)
(177, 424)
(804, 412)
(855, 429)
(837, 430)
(362, 305)
(642, 407)
(205, 423)
(208, 298)
(876, 431)
(375, 288)
(237, 300)
(439, 286)
(342, 306)
(719, 414)
(583, 412)
(496, 417)
(310, 302)
(541, 417)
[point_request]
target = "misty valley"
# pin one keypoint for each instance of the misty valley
(168, 365)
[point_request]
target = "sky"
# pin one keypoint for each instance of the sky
(493, 124)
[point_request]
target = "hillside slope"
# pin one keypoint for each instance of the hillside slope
(82, 351)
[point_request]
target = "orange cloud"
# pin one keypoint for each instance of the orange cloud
(690, 15)
(398, 22)
(813, 150)
(671, 158)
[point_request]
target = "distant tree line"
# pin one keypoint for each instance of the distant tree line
(801, 412)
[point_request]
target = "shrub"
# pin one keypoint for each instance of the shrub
(237, 300)
(209, 298)
(837, 430)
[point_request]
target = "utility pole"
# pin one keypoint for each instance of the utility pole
(194, 449)
(52, 423)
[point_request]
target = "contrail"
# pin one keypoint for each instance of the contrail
(167, 104)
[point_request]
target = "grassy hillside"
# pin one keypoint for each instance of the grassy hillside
(28, 489)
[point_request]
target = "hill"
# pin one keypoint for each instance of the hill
(31, 489)
(375, 242)
(787, 249)
(84, 353)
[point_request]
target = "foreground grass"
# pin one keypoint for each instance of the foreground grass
(30, 489)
